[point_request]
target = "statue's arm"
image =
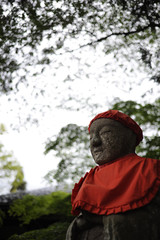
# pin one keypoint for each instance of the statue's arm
(78, 224)
(85, 220)
(93, 218)
(71, 232)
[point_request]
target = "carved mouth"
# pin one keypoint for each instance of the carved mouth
(97, 150)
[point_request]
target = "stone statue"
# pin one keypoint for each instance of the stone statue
(119, 198)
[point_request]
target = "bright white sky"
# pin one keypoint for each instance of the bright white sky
(101, 88)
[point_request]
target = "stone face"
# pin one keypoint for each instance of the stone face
(109, 140)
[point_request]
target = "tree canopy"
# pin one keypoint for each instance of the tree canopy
(35, 33)
(71, 145)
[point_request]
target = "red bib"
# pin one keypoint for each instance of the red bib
(127, 183)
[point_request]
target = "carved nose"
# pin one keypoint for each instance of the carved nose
(96, 141)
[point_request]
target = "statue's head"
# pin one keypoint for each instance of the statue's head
(112, 135)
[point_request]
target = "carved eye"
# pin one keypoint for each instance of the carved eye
(105, 132)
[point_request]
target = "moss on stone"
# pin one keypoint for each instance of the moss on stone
(56, 231)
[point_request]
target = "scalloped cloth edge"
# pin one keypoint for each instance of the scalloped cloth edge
(127, 183)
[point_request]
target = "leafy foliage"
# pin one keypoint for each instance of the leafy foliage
(32, 207)
(10, 171)
(128, 29)
(56, 231)
(71, 145)
(2, 128)
(148, 116)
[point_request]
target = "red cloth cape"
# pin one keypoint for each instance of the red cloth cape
(127, 183)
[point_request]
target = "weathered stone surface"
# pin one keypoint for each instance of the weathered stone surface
(92, 234)
(109, 140)
(139, 224)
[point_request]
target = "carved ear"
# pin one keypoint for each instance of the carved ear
(132, 140)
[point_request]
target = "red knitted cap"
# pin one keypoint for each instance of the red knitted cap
(122, 118)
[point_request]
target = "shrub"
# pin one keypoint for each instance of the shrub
(32, 207)
(56, 231)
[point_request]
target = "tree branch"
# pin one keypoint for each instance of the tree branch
(108, 36)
